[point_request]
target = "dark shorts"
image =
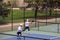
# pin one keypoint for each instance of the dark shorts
(26, 27)
(18, 33)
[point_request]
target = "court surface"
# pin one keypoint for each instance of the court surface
(35, 37)
(33, 34)
(48, 28)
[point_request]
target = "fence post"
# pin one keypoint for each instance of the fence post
(38, 26)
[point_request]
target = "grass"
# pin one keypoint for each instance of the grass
(19, 15)
(16, 21)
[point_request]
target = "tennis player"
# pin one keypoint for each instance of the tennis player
(19, 31)
(27, 23)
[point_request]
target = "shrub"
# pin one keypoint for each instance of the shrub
(3, 21)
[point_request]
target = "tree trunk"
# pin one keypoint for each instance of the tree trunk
(36, 10)
(50, 11)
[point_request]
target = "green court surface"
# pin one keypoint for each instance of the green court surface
(48, 28)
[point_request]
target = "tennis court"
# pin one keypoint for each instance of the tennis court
(34, 37)
(40, 31)
(29, 35)
(48, 27)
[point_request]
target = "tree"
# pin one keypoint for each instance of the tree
(34, 4)
(46, 4)
(4, 10)
(1, 0)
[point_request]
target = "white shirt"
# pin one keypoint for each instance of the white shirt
(26, 23)
(19, 29)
